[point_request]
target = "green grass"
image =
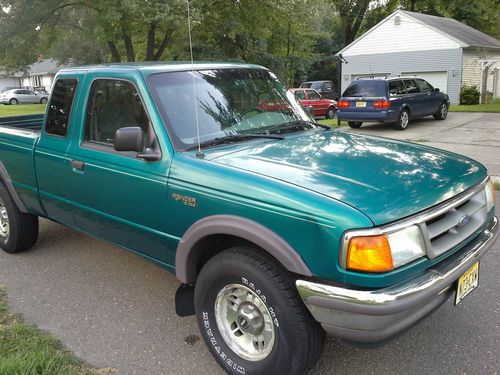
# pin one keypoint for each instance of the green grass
(497, 185)
(333, 123)
(24, 349)
(21, 109)
(493, 107)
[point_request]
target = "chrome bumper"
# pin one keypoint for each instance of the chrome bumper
(376, 315)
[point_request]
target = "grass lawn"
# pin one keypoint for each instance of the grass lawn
(332, 123)
(21, 109)
(24, 349)
(493, 107)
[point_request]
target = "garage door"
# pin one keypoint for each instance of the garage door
(436, 79)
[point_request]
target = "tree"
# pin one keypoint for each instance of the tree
(127, 29)
(351, 13)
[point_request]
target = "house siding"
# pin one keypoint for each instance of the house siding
(471, 73)
(395, 63)
(406, 36)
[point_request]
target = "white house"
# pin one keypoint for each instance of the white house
(7, 81)
(41, 74)
(445, 52)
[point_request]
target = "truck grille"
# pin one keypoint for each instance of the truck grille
(459, 221)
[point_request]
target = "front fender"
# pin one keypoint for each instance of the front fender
(188, 252)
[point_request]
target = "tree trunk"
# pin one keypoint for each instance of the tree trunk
(129, 47)
(115, 55)
(166, 40)
(150, 48)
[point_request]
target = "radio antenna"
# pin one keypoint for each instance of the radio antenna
(199, 153)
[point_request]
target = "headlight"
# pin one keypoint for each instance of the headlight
(383, 253)
(490, 195)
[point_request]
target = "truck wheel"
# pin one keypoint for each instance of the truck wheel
(354, 124)
(403, 120)
(18, 231)
(251, 316)
(13, 101)
(442, 112)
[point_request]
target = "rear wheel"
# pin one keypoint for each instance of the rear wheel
(403, 120)
(251, 316)
(13, 101)
(330, 113)
(354, 124)
(18, 231)
(442, 112)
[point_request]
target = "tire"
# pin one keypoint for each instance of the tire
(442, 112)
(18, 231)
(244, 293)
(403, 120)
(330, 113)
(13, 101)
(354, 124)
(43, 101)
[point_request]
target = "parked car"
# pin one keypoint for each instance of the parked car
(278, 229)
(312, 98)
(23, 96)
(325, 88)
(393, 100)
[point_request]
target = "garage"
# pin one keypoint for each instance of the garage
(436, 79)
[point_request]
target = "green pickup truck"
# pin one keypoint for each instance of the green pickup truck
(278, 228)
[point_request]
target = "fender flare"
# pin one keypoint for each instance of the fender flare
(188, 253)
(7, 181)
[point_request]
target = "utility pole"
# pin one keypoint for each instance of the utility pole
(341, 61)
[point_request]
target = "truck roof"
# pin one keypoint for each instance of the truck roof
(161, 66)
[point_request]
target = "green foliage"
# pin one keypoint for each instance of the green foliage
(469, 95)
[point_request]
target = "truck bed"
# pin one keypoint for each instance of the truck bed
(28, 122)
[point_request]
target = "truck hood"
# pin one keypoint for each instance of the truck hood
(383, 178)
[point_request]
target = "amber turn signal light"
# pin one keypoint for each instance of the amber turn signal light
(369, 254)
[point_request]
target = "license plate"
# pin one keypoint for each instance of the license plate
(360, 104)
(467, 283)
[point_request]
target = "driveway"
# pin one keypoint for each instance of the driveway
(476, 135)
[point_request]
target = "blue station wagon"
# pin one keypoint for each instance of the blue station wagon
(393, 100)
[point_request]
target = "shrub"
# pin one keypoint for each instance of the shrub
(469, 95)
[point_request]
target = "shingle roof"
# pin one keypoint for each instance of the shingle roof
(460, 31)
(49, 66)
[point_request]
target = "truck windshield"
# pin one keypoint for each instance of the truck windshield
(228, 102)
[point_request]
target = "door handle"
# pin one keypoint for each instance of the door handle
(78, 164)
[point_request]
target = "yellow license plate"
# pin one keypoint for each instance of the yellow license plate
(467, 283)
(360, 104)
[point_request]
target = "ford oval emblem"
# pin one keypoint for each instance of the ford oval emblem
(463, 221)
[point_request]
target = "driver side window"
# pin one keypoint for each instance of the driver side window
(113, 104)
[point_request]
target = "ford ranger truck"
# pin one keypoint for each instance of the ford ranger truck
(278, 228)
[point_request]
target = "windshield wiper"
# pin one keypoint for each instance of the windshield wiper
(293, 126)
(232, 139)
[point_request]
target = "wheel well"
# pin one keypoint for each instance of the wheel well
(211, 245)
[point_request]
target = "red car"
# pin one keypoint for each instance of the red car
(321, 106)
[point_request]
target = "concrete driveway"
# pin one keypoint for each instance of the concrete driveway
(476, 135)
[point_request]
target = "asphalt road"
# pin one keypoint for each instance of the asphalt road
(115, 309)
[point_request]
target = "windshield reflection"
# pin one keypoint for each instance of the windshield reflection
(228, 102)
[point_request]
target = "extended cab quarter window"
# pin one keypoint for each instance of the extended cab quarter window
(60, 105)
(113, 104)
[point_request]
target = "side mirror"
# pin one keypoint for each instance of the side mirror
(436, 90)
(129, 139)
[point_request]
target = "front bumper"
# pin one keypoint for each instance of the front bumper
(376, 315)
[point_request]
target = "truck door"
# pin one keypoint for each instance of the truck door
(50, 153)
(118, 196)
